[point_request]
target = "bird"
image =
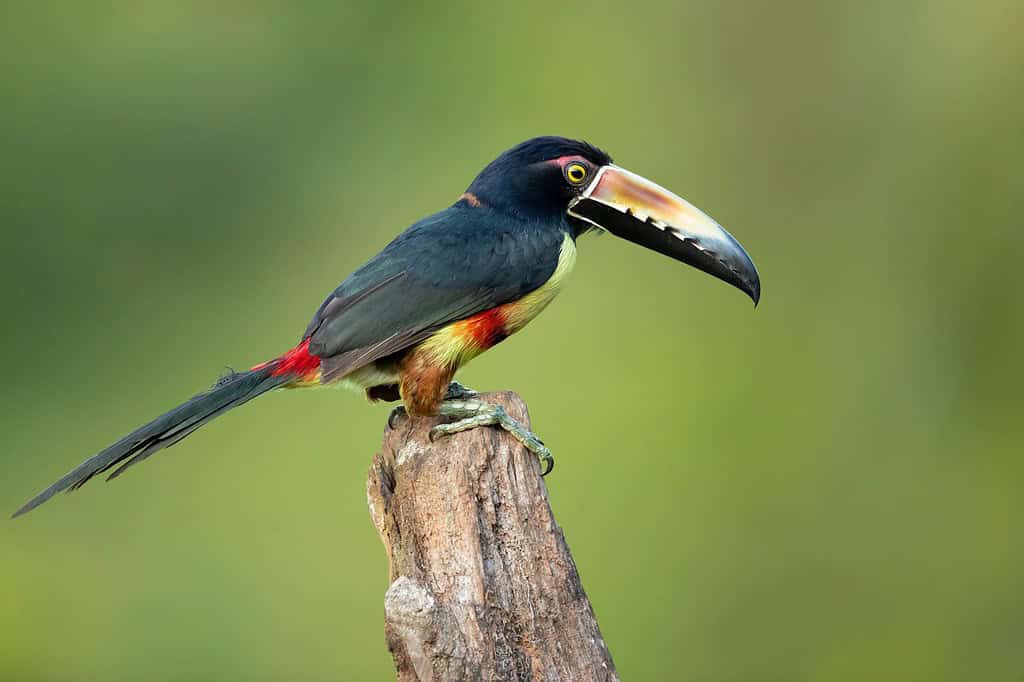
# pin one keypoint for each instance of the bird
(452, 286)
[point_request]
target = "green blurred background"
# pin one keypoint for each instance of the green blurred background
(826, 488)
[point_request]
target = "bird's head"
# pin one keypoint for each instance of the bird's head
(563, 180)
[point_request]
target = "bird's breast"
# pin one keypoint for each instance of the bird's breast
(518, 313)
(461, 341)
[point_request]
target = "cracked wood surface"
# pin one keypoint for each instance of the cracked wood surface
(482, 584)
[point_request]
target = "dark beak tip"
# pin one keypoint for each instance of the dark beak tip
(755, 292)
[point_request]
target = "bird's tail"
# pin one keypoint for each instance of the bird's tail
(295, 368)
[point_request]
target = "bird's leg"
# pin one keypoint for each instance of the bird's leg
(472, 412)
(456, 391)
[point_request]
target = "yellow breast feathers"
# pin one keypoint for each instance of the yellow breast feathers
(460, 342)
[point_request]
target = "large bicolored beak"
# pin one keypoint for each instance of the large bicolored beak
(634, 208)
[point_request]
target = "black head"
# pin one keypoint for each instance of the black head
(569, 183)
(538, 178)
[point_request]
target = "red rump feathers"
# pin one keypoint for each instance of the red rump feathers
(297, 362)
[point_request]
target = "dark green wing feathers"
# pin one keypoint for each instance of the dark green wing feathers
(445, 268)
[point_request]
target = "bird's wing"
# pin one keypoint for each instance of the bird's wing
(445, 268)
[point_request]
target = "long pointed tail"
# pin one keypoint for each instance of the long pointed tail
(296, 366)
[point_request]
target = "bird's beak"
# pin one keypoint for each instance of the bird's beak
(634, 208)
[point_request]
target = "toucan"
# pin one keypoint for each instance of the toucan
(450, 287)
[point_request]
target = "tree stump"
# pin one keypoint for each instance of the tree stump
(482, 584)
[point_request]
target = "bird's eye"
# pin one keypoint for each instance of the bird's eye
(575, 173)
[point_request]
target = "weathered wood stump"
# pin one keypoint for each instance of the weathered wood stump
(483, 586)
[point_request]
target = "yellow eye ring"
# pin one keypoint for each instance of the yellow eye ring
(575, 173)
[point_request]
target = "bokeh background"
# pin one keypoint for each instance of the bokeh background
(830, 487)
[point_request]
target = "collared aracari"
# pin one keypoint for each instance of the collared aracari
(453, 285)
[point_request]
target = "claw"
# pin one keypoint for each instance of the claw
(393, 415)
(472, 413)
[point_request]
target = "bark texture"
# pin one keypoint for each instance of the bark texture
(482, 584)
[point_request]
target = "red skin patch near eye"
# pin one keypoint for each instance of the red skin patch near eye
(563, 160)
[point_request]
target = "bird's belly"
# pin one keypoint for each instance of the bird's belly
(379, 373)
(461, 341)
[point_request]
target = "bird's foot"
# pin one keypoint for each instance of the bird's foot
(456, 391)
(471, 413)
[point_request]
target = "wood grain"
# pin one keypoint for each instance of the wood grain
(482, 584)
